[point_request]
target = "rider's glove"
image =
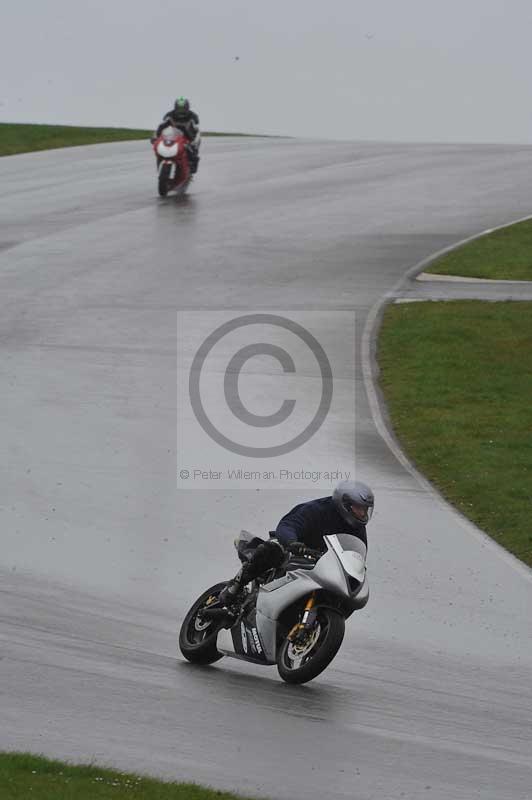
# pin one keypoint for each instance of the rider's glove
(300, 549)
(296, 548)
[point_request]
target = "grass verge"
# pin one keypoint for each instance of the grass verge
(505, 254)
(26, 138)
(457, 378)
(17, 138)
(27, 777)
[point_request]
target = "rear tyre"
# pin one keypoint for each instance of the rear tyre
(197, 638)
(164, 178)
(301, 662)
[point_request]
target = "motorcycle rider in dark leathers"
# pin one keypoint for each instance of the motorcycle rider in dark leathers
(182, 117)
(348, 510)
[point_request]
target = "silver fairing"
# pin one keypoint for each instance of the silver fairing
(350, 552)
(341, 571)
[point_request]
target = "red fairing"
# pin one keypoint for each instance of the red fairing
(180, 175)
(181, 139)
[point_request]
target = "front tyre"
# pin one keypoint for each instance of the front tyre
(301, 661)
(197, 637)
(164, 179)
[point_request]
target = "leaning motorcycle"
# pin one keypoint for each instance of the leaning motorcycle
(173, 167)
(293, 618)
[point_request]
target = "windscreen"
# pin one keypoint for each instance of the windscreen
(351, 543)
(170, 132)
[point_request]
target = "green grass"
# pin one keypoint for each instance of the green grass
(457, 378)
(27, 777)
(505, 254)
(15, 138)
(26, 138)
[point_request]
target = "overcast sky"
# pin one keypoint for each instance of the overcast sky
(409, 70)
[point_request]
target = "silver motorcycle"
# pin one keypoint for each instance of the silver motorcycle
(292, 617)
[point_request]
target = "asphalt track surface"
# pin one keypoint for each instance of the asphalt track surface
(430, 696)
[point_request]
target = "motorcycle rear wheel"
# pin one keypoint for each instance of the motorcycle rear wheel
(164, 180)
(299, 663)
(197, 640)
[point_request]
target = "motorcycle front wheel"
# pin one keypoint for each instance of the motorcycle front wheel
(301, 661)
(197, 638)
(164, 179)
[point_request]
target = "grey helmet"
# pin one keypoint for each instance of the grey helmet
(355, 502)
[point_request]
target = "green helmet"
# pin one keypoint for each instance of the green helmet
(181, 107)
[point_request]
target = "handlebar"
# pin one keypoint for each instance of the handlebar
(299, 550)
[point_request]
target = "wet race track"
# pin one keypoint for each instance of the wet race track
(430, 695)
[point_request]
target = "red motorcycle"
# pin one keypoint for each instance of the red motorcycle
(170, 149)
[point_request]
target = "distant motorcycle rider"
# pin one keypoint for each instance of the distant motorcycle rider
(348, 510)
(182, 117)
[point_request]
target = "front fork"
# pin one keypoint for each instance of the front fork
(308, 620)
(173, 166)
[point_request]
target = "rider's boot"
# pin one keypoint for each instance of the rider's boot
(194, 161)
(266, 556)
(193, 158)
(229, 594)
